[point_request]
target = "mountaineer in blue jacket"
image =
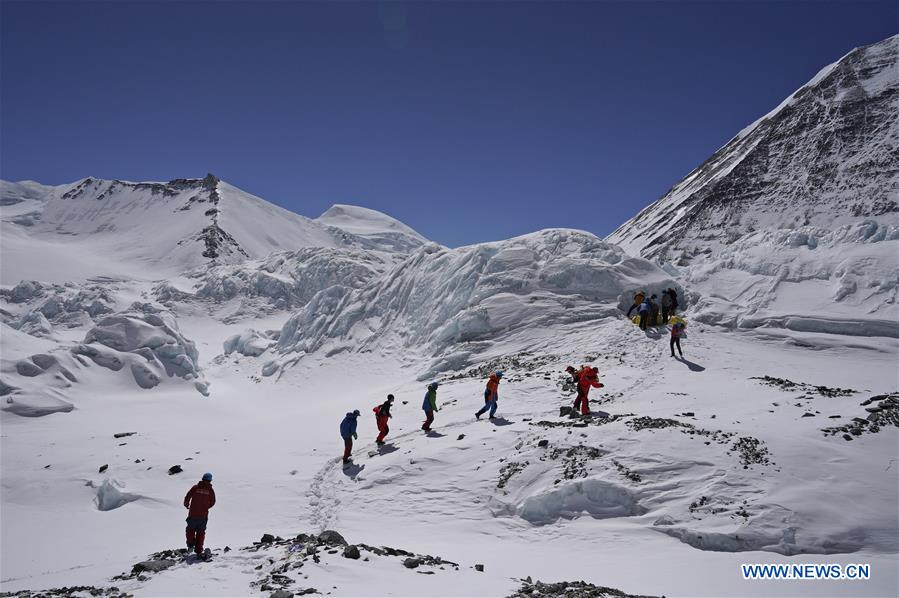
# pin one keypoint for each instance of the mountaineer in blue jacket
(348, 432)
(644, 310)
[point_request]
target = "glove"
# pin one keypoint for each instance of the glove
(601, 384)
(355, 436)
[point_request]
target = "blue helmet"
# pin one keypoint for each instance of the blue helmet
(207, 477)
(499, 374)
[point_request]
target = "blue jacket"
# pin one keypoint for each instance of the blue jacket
(348, 425)
(644, 307)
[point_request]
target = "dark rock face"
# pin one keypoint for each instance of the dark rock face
(331, 537)
(351, 552)
(830, 150)
(154, 566)
(568, 589)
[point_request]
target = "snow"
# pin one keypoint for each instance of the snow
(123, 354)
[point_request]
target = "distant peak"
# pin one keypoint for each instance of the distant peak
(359, 220)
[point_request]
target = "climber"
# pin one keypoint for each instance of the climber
(587, 379)
(430, 406)
(678, 331)
(643, 311)
(666, 306)
(199, 499)
(674, 305)
(382, 414)
(348, 432)
(491, 395)
(653, 311)
(638, 299)
(576, 378)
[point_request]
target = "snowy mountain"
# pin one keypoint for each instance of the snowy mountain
(795, 221)
(116, 228)
(151, 332)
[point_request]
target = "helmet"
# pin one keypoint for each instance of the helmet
(499, 374)
(356, 412)
(433, 385)
(389, 397)
(207, 477)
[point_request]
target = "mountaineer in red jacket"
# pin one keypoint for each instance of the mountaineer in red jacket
(382, 414)
(587, 378)
(198, 501)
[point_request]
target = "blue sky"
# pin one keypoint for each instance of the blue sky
(469, 121)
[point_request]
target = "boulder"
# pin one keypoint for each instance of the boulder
(411, 563)
(351, 552)
(331, 537)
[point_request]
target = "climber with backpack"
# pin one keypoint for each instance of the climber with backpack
(587, 379)
(638, 299)
(491, 395)
(382, 414)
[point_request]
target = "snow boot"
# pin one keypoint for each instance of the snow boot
(477, 416)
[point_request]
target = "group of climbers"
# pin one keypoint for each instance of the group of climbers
(201, 496)
(648, 308)
(429, 406)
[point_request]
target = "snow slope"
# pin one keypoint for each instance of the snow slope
(797, 217)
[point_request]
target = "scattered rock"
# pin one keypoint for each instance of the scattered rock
(411, 563)
(461, 436)
(351, 552)
(154, 566)
(479, 567)
(847, 437)
(123, 434)
(175, 469)
(267, 539)
(543, 443)
(331, 537)
(807, 414)
(281, 594)
(103, 468)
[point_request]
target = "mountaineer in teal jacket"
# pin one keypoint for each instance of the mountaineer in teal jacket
(429, 405)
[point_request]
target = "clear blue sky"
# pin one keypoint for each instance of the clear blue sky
(470, 121)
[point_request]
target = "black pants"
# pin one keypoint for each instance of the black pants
(665, 315)
(676, 341)
(644, 319)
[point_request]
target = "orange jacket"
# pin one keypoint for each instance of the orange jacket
(492, 386)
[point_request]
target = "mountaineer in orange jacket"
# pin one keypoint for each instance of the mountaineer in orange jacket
(587, 378)
(382, 414)
(198, 501)
(491, 395)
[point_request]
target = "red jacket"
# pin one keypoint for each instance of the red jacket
(200, 499)
(492, 387)
(586, 380)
